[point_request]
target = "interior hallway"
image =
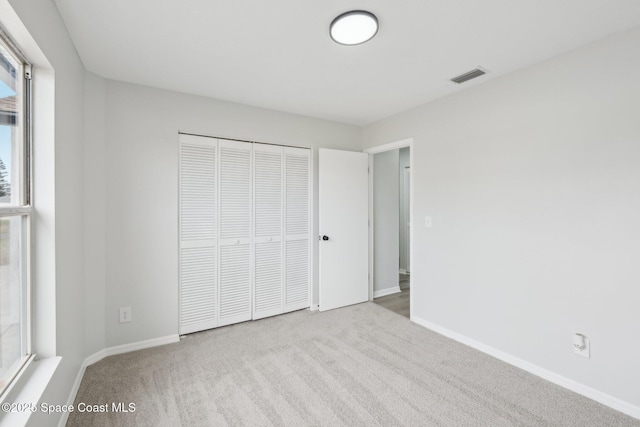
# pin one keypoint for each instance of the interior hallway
(398, 302)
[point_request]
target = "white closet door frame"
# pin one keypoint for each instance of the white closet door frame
(270, 239)
(197, 302)
(234, 242)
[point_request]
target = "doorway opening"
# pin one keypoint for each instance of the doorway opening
(390, 236)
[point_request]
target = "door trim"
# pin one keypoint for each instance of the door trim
(406, 183)
(408, 142)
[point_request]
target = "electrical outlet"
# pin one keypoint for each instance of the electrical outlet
(125, 314)
(585, 351)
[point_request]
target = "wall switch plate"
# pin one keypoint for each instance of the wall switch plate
(586, 351)
(125, 314)
(427, 221)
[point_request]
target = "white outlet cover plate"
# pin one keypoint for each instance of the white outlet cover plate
(586, 351)
(125, 314)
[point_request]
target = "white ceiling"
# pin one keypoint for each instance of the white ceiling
(277, 54)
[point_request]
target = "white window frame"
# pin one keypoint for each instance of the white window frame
(23, 208)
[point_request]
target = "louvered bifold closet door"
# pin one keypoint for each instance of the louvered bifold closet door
(197, 229)
(235, 224)
(297, 228)
(268, 230)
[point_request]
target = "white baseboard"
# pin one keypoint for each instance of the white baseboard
(314, 307)
(111, 351)
(126, 348)
(74, 391)
(386, 291)
(598, 396)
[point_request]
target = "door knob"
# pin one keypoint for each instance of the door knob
(325, 237)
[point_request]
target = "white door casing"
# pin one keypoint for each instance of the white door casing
(407, 217)
(380, 149)
(343, 218)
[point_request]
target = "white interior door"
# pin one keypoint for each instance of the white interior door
(343, 226)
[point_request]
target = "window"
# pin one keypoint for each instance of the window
(15, 212)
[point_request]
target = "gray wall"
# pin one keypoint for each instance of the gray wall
(386, 220)
(142, 127)
(533, 183)
(95, 176)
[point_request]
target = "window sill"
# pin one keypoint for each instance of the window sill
(27, 392)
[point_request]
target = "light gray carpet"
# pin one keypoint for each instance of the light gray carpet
(358, 366)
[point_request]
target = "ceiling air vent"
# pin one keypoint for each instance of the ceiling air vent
(468, 76)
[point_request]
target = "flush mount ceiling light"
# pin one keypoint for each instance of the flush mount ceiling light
(354, 27)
